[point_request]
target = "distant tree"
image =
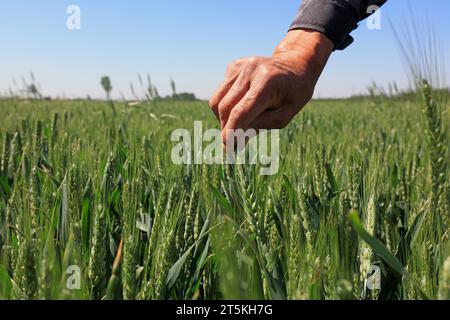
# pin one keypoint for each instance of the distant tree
(106, 84)
(186, 96)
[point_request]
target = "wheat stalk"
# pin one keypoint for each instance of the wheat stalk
(98, 257)
(130, 245)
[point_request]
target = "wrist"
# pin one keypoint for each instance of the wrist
(304, 51)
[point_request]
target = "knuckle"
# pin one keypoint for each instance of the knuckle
(236, 112)
(235, 64)
(228, 99)
(232, 64)
(231, 67)
(267, 76)
(234, 90)
(264, 70)
(252, 62)
(252, 97)
(222, 106)
(239, 61)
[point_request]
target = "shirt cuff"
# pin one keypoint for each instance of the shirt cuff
(332, 18)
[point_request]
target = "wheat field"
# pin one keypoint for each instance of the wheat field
(92, 207)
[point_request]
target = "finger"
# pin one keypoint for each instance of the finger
(273, 119)
(258, 98)
(220, 93)
(232, 97)
(243, 114)
(230, 77)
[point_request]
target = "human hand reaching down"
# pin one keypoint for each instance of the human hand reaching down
(268, 92)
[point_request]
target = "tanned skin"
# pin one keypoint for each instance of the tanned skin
(268, 92)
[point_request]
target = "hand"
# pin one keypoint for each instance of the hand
(266, 93)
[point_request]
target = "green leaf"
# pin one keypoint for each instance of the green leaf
(394, 176)
(202, 232)
(85, 225)
(5, 283)
(202, 260)
(376, 245)
(63, 214)
(331, 179)
(221, 199)
(414, 230)
(289, 188)
(5, 185)
(276, 289)
(390, 259)
(175, 270)
(114, 289)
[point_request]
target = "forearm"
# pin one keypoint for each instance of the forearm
(305, 51)
(334, 18)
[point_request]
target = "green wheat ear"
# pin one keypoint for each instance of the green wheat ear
(13, 153)
(130, 245)
(35, 199)
(438, 143)
(25, 272)
(224, 232)
(444, 285)
(98, 257)
(5, 152)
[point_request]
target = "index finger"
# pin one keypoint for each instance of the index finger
(252, 105)
(221, 93)
(230, 78)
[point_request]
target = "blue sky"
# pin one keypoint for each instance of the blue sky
(189, 41)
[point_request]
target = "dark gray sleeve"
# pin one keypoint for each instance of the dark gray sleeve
(334, 18)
